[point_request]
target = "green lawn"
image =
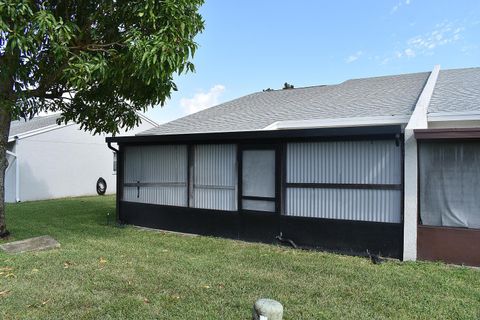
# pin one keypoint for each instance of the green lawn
(106, 272)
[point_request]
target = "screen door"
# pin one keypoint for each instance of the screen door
(258, 180)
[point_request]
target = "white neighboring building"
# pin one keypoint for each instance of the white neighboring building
(49, 161)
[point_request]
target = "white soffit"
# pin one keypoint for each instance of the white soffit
(338, 122)
(453, 116)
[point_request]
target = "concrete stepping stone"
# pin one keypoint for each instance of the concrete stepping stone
(32, 244)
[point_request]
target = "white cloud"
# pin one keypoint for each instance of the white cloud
(443, 34)
(409, 53)
(353, 57)
(202, 100)
(399, 5)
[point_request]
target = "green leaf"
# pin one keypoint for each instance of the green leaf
(150, 41)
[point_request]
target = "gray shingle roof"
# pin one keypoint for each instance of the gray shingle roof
(21, 126)
(380, 96)
(456, 90)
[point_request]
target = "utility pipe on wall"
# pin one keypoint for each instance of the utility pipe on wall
(17, 176)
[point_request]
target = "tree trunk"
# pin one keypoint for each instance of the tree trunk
(5, 119)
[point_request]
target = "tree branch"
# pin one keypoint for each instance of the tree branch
(97, 46)
(53, 77)
(38, 93)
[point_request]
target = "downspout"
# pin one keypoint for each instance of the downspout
(117, 196)
(17, 176)
(109, 145)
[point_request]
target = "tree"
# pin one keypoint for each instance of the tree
(97, 62)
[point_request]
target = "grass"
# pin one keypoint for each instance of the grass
(106, 272)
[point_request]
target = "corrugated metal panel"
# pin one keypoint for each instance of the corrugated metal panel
(132, 164)
(171, 195)
(215, 177)
(345, 204)
(215, 199)
(167, 163)
(353, 162)
(365, 162)
(159, 165)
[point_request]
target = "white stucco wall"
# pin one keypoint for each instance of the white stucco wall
(64, 162)
(418, 120)
(410, 197)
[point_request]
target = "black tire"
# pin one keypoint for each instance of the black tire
(101, 186)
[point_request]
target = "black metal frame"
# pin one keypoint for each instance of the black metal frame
(419, 217)
(245, 147)
(402, 197)
(346, 186)
(337, 235)
(120, 177)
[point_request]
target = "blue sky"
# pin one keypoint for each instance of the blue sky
(252, 45)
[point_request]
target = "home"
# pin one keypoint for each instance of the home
(386, 164)
(47, 160)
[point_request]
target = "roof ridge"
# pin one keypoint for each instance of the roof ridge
(458, 69)
(297, 88)
(352, 79)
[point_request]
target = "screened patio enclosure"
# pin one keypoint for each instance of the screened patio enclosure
(336, 189)
(449, 185)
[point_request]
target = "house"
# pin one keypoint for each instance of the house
(47, 160)
(386, 164)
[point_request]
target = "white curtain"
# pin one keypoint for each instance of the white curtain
(450, 184)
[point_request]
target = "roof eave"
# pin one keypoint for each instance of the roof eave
(258, 135)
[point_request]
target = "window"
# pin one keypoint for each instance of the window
(450, 184)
